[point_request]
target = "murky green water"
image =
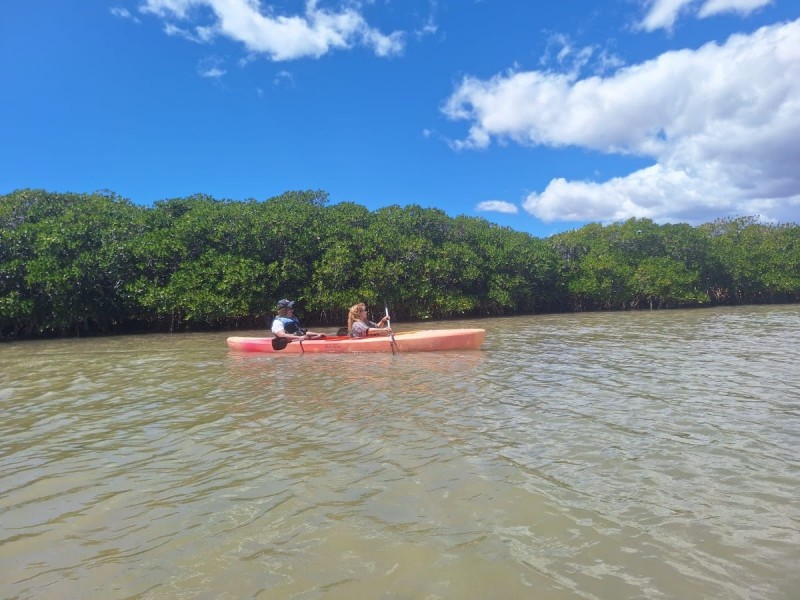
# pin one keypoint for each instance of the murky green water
(614, 455)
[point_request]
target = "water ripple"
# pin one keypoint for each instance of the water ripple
(635, 455)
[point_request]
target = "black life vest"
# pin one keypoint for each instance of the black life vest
(291, 325)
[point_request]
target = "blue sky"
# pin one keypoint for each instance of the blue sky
(541, 116)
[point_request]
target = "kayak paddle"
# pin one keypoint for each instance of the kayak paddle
(389, 325)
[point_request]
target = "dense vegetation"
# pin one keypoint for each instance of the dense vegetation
(77, 264)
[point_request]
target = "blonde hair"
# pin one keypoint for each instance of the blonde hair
(354, 314)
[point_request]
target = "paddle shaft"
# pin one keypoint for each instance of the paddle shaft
(389, 325)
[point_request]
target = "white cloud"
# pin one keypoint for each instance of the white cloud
(211, 67)
(123, 13)
(607, 62)
(174, 31)
(743, 7)
(312, 34)
(429, 27)
(561, 55)
(213, 73)
(662, 14)
(721, 123)
(283, 77)
(500, 206)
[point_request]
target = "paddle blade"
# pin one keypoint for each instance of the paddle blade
(279, 343)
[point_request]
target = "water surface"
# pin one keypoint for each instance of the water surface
(600, 456)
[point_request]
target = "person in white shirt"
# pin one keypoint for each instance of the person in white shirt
(286, 325)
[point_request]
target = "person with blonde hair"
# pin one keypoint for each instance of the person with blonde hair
(359, 325)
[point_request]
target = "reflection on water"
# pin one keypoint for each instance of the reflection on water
(603, 455)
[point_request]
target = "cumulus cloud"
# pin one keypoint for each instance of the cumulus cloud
(721, 123)
(500, 206)
(280, 37)
(662, 14)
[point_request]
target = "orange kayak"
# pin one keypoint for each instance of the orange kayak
(429, 340)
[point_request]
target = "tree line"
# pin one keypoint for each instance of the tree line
(82, 264)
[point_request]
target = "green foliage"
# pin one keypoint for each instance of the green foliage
(74, 264)
(212, 289)
(664, 281)
(758, 262)
(64, 259)
(636, 264)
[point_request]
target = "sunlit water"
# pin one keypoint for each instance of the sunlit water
(605, 455)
